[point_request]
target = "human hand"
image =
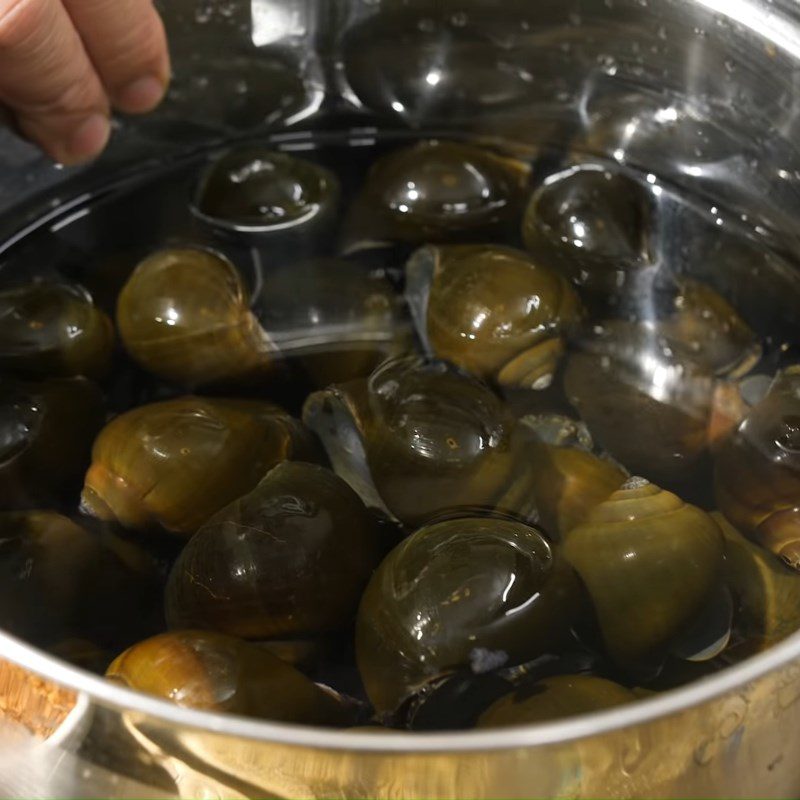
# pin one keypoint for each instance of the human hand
(65, 63)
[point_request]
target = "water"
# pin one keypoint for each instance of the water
(630, 253)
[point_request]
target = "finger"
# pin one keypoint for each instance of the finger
(48, 81)
(125, 40)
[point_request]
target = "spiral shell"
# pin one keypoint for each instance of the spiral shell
(417, 437)
(649, 562)
(757, 471)
(436, 191)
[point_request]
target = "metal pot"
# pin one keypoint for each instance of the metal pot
(703, 94)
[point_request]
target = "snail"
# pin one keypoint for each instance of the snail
(757, 471)
(493, 311)
(709, 331)
(59, 580)
(566, 482)
(767, 592)
(416, 437)
(476, 592)
(53, 330)
(555, 698)
(257, 190)
(596, 228)
(214, 672)
(647, 404)
(649, 562)
(46, 433)
(184, 316)
(176, 463)
(290, 558)
(434, 192)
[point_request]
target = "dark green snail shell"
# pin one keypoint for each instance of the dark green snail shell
(257, 190)
(418, 436)
(473, 592)
(59, 580)
(46, 433)
(436, 191)
(53, 330)
(288, 559)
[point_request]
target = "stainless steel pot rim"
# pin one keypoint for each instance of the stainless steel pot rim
(647, 710)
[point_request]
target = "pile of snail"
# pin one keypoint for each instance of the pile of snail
(483, 461)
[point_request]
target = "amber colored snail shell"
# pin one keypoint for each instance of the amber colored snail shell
(177, 462)
(493, 311)
(757, 471)
(767, 592)
(214, 672)
(184, 316)
(555, 698)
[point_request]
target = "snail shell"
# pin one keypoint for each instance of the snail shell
(417, 437)
(596, 227)
(757, 471)
(290, 558)
(650, 407)
(211, 671)
(176, 463)
(260, 191)
(184, 316)
(436, 191)
(46, 433)
(710, 331)
(568, 483)
(555, 698)
(649, 562)
(492, 310)
(480, 592)
(59, 580)
(53, 330)
(767, 592)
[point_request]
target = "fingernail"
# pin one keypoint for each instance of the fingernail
(89, 138)
(141, 95)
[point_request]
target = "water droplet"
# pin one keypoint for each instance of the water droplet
(459, 19)
(789, 439)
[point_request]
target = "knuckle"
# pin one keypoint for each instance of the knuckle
(65, 100)
(19, 20)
